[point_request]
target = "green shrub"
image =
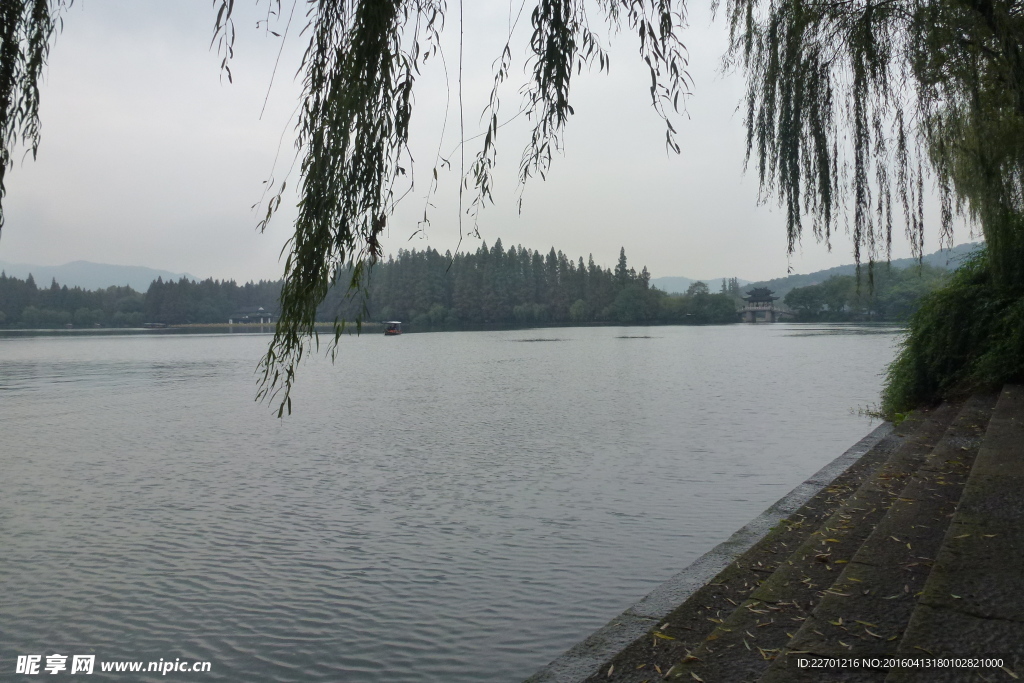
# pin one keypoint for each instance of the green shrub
(966, 337)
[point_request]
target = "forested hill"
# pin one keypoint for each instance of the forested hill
(428, 290)
(945, 259)
(895, 294)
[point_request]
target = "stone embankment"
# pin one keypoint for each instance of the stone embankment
(914, 554)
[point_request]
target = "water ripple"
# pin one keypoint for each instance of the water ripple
(440, 508)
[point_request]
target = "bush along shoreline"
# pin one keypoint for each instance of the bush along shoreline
(966, 337)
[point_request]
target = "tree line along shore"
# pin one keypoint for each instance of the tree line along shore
(492, 285)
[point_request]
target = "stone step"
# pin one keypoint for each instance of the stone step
(745, 641)
(865, 612)
(972, 604)
(627, 649)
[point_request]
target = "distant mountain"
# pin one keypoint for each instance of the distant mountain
(679, 285)
(944, 258)
(89, 275)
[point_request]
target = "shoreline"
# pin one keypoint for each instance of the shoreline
(582, 660)
(904, 568)
(375, 327)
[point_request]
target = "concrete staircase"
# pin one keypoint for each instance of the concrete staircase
(917, 551)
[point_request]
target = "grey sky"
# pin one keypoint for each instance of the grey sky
(149, 159)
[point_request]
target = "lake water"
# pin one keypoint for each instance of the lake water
(447, 507)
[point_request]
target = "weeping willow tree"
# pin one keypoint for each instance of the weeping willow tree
(854, 108)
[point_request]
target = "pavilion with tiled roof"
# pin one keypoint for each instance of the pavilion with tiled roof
(759, 306)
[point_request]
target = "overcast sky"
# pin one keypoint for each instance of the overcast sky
(150, 158)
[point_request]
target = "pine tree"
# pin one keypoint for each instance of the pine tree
(622, 269)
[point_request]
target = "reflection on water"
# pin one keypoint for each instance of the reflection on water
(441, 507)
(845, 329)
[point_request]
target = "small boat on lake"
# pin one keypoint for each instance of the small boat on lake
(392, 328)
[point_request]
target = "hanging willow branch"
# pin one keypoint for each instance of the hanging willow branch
(359, 70)
(353, 131)
(26, 32)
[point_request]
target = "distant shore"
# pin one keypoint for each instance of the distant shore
(373, 328)
(188, 328)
